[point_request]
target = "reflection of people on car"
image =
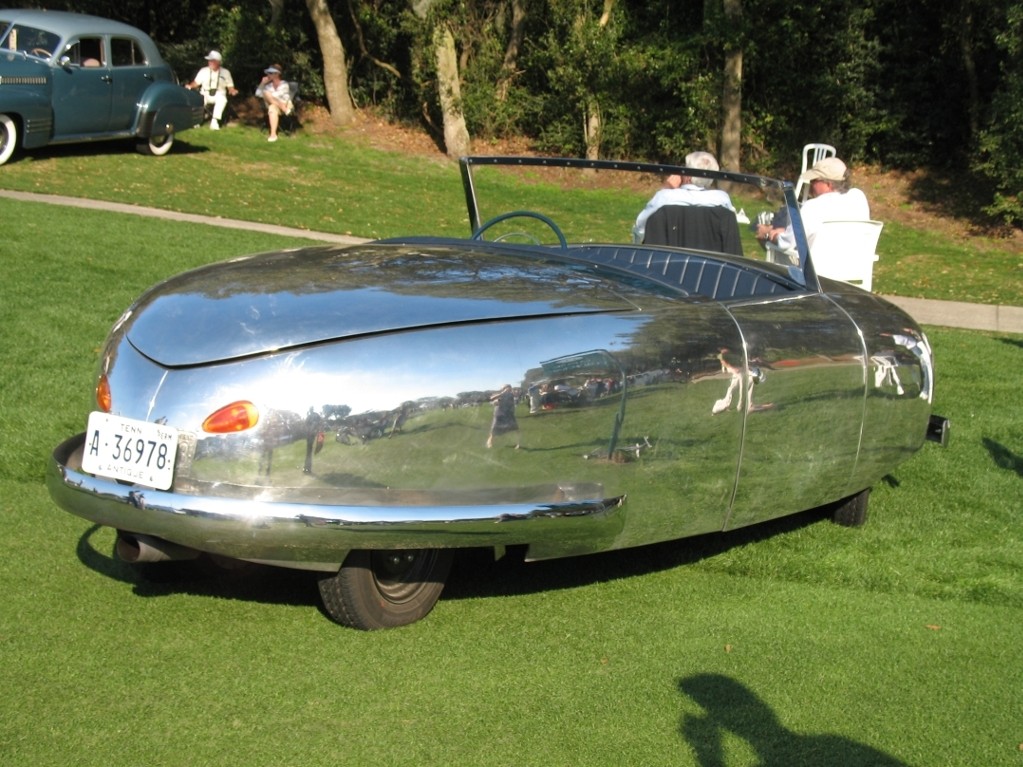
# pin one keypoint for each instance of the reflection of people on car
(504, 416)
(735, 383)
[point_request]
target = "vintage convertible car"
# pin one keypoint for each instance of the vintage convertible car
(68, 77)
(363, 411)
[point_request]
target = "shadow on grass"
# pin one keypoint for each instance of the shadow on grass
(731, 708)
(477, 575)
(205, 576)
(1003, 457)
(958, 194)
(97, 149)
(1017, 342)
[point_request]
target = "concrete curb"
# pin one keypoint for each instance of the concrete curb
(952, 314)
(958, 314)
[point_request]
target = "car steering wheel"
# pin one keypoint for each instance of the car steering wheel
(41, 52)
(478, 234)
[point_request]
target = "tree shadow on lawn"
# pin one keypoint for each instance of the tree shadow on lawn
(730, 707)
(958, 194)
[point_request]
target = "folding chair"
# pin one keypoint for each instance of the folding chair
(812, 154)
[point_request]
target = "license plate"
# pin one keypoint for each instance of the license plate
(136, 451)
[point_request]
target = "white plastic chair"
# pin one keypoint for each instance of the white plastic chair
(812, 154)
(846, 251)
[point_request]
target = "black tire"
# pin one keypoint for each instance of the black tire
(852, 512)
(384, 589)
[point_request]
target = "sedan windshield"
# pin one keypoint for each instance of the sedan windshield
(28, 40)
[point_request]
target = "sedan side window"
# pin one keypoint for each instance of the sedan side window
(125, 52)
(86, 52)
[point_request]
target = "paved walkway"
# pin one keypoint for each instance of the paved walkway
(953, 314)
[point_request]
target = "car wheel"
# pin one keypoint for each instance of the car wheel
(384, 589)
(852, 512)
(157, 146)
(8, 137)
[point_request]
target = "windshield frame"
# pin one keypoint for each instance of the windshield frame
(772, 188)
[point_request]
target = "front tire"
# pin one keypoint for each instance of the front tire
(384, 589)
(8, 137)
(852, 512)
(157, 146)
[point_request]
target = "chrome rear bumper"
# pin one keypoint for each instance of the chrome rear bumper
(317, 536)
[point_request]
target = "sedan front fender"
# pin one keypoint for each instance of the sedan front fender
(31, 108)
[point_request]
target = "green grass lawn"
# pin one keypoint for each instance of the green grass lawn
(335, 183)
(795, 642)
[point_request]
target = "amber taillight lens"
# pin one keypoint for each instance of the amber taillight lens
(103, 400)
(238, 416)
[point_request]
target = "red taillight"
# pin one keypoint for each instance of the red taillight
(238, 416)
(103, 400)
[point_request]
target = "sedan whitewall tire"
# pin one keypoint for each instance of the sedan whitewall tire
(8, 137)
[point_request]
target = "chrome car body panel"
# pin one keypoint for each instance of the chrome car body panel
(656, 393)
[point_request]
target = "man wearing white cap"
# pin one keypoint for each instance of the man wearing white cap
(277, 95)
(831, 199)
(215, 83)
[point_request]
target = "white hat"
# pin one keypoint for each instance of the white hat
(214, 56)
(828, 169)
(271, 71)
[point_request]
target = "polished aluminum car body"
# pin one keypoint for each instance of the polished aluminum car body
(69, 77)
(649, 393)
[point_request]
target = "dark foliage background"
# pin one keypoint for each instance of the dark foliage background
(926, 84)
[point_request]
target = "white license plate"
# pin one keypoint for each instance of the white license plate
(136, 451)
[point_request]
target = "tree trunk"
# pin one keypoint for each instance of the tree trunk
(511, 52)
(449, 88)
(276, 12)
(456, 134)
(731, 98)
(592, 124)
(591, 129)
(335, 68)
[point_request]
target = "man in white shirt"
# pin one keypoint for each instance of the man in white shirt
(831, 198)
(684, 190)
(215, 83)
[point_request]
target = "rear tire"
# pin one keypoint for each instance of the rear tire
(384, 589)
(852, 512)
(157, 146)
(8, 137)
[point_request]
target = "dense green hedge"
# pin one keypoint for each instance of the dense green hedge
(931, 84)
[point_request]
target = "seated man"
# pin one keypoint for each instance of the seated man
(832, 199)
(215, 83)
(277, 95)
(684, 190)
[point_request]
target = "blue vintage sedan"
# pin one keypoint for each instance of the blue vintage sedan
(67, 77)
